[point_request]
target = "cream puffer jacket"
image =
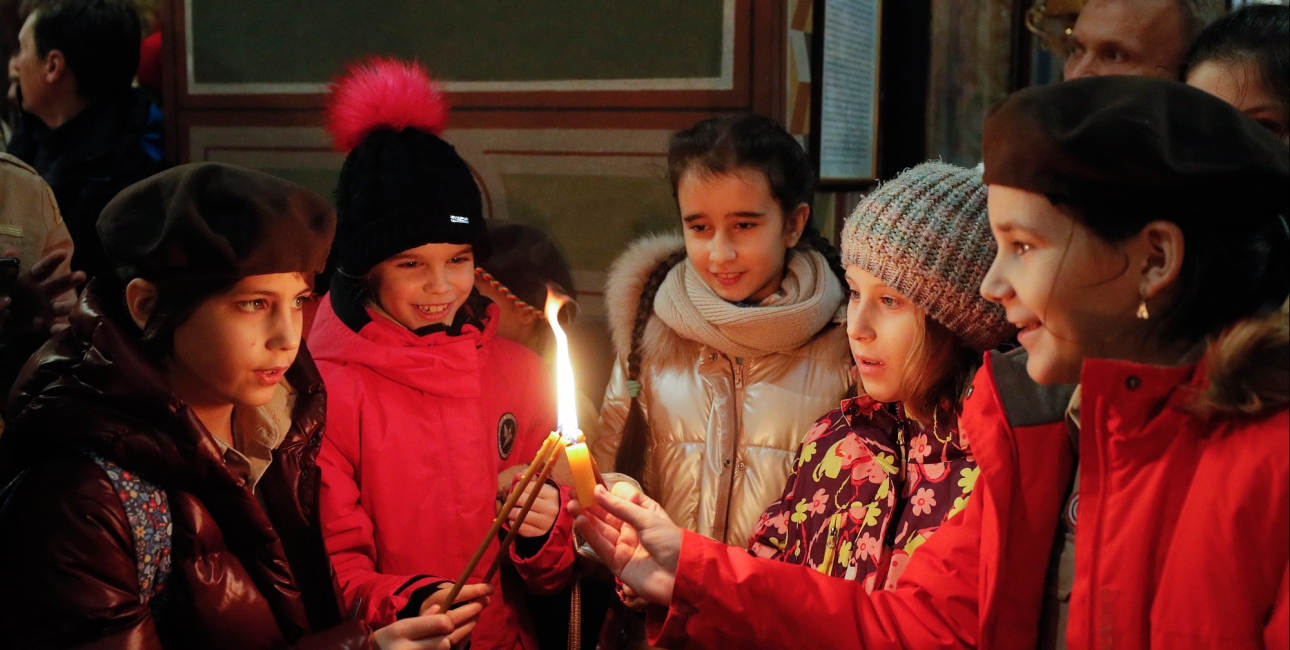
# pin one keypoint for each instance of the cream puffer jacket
(724, 430)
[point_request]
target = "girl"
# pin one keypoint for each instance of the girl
(428, 404)
(876, 477)
(164, 445)
(1158, 283)
(1243, 58)
(729, 339)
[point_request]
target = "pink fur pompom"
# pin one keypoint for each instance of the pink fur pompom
(383, 94)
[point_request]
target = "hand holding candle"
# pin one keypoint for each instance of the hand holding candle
(585, 473)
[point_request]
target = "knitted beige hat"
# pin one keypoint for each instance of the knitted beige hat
(925, 234)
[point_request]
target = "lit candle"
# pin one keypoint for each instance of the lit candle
(583, 466)
(584, 474)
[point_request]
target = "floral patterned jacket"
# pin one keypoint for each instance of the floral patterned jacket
(868, 487)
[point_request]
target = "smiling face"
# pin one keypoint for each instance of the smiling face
(1240, 83)
(883, 328)
(1073, 294)
(425, 285)
(736, 233)
(236, 346)
(1129, 37)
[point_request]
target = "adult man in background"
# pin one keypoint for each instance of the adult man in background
(1136, 37)
(84, 128)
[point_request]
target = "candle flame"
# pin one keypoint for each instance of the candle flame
(567, 403)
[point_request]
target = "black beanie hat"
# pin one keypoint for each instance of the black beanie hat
(401, 185)
(208, 220)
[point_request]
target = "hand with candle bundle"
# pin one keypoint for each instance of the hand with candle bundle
(431, 630)
(467, 595)
(542, 516)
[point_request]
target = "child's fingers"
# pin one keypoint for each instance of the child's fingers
(465, 614)
(473, 592)
(423, 627)
(637, 516)
(599, 535)
(458, 635)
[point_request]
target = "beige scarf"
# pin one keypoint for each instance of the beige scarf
(808, 298)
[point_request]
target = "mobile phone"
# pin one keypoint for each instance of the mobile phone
(8, 274)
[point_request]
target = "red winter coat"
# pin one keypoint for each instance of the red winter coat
(1183, 537)
(418, 428)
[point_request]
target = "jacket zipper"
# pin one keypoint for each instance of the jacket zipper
(736, 405)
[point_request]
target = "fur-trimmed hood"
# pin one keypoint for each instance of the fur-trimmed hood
(627, 279)
(1248, 366)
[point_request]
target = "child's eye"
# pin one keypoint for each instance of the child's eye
(853, 295)
(745, 225)
(890, 302)
(301, 300)
(1020, 248)
(698, 227)
(252, 305)
(461, 259)
(410, 264)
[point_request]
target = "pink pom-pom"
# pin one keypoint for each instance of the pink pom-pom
(384, 94)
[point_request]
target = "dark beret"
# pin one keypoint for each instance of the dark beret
(209, 220)
(525, 260)
(1136, 143)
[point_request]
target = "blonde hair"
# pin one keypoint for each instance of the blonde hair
(940, 369)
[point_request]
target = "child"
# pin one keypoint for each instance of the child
(516, 276)
(1243, 58)
(876, 477)
(525, 263)
(728, 340)
(428, 405)
(1143, 251)
(164, 445)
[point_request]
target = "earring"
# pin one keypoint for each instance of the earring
(1143, 314)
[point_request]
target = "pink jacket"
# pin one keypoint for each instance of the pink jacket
(418, 428)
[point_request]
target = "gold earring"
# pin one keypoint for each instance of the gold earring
(1143, 314)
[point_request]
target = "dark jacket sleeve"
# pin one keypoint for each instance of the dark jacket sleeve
(67, 563)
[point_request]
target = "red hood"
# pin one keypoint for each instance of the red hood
(438, 363)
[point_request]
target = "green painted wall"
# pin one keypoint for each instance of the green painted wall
(591, 217)
(309, 41)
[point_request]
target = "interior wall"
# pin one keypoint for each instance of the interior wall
(582, 159)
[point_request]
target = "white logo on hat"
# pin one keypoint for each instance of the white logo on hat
(456, 219)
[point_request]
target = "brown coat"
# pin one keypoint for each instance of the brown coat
(29, 218)
(247, 570)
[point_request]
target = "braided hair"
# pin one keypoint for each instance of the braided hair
(719, 145)
(634, 445)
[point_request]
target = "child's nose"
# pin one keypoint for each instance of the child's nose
(720, 249)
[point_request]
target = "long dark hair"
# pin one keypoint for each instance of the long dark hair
(1234, 268)
(1256, 33)
(719, 145)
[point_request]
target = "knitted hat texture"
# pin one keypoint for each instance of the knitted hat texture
(925, 234)
(401, 186)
